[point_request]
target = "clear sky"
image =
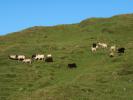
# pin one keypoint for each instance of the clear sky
(16, 15)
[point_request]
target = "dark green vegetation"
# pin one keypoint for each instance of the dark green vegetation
(97, 77)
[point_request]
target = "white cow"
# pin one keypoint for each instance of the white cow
(21, 57)
(27, 60)
(13, 57)
(38, 57)
(103, 45)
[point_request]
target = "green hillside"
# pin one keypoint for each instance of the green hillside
(97, 76)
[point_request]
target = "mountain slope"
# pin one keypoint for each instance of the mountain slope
(97, 77)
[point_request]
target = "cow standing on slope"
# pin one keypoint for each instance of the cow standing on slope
(94, 47)
(27, 60)
(49, 58)
(13, 57)
(102, 45)
(21, 57)
(120, 50)
(38, 57)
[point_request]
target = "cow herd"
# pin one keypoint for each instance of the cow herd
(48, 58)
(112, 49)
(35, 57)
(23, 58)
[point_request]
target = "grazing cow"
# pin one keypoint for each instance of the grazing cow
(21, 57)
(72, 65)
(102, 45)
(93, 49)
(13, 57)
(38, 57)
(121, 50)
(49, 58)
(27, 60)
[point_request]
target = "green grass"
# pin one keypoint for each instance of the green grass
(97, 77)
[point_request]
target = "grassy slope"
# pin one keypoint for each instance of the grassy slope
(97, 77)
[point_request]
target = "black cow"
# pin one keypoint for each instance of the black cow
(72, 65)
(94, 45)
(121, 50)
(49, 59)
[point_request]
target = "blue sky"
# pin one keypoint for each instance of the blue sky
(16, 15)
